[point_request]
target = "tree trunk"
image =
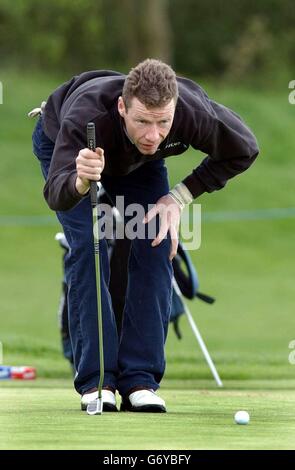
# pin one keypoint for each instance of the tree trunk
(147, 30)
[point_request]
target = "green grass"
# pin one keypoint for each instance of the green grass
(49, 418)
(248, 265)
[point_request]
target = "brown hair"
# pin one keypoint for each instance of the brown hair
(152, 82)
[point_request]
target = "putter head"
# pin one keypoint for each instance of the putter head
(95, 407)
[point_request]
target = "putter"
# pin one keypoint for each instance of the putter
(95, 407)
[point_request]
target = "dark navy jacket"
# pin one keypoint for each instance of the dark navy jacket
(199, 122)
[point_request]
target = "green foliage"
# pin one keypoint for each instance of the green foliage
(57, 34)
(252, 53)
(239, 40)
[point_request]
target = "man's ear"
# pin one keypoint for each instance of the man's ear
(121, 106)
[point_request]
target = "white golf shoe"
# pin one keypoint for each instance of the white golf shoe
(108, 400)
(145, 401)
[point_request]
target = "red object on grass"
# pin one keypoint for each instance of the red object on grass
(23, 373)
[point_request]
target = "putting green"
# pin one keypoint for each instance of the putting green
(46, 415)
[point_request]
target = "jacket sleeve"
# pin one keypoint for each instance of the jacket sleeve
(230, 145)
(60, 190)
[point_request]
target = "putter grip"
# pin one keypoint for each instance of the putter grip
(91, 144)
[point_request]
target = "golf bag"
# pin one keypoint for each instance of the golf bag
(185, 276)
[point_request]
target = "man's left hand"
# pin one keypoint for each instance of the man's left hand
(169, 213)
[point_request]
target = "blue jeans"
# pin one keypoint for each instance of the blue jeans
(136, 358)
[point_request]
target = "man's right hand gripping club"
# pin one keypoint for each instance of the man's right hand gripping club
(89, 167)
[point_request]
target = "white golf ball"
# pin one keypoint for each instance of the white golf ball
(242, 417)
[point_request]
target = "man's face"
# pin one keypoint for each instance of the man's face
(147, 127)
